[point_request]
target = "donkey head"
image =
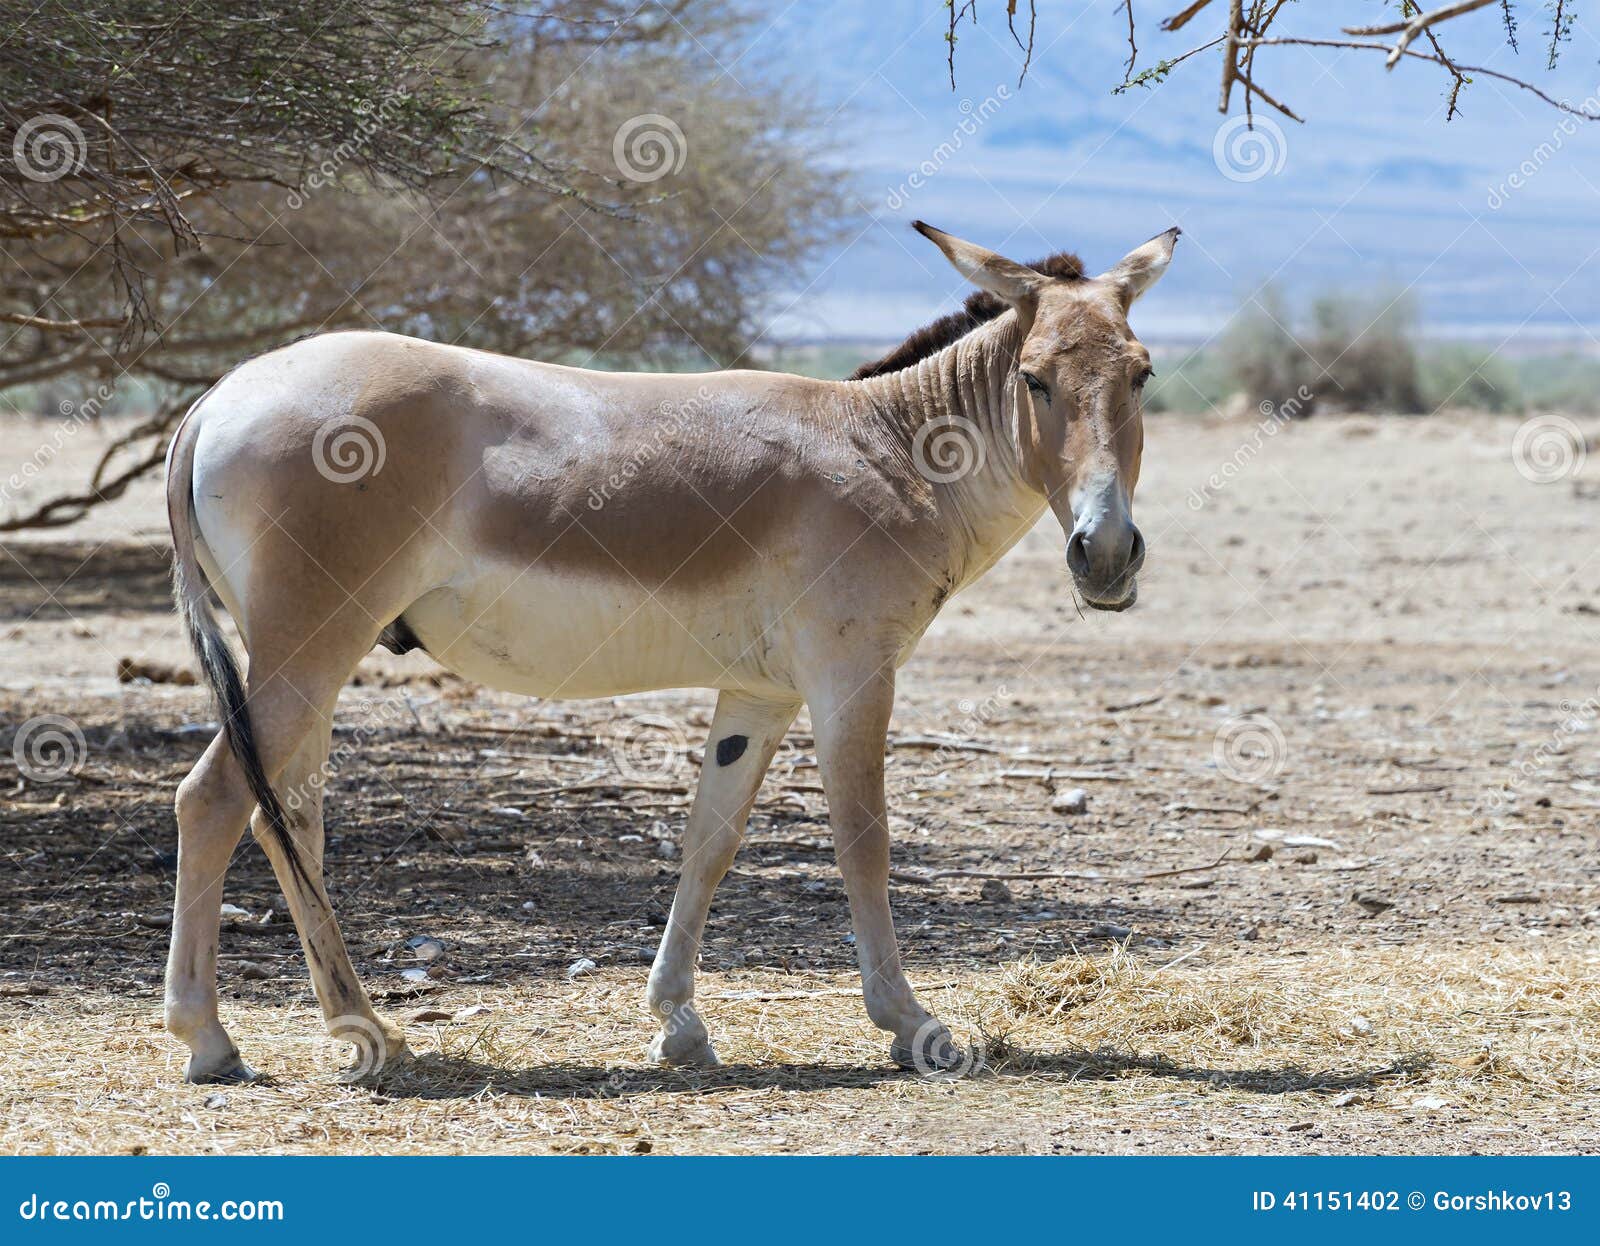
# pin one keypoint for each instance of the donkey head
(1080, 424)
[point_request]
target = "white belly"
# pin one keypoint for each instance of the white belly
(567, 637)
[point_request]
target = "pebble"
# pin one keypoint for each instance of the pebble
(994, 891)
(1073, 800)
(425, 948)
(473, 1013)
(583, 965)
(427, 1016)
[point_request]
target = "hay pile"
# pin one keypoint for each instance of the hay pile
(1499, 1022)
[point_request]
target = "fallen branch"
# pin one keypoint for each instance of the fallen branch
(906, 876)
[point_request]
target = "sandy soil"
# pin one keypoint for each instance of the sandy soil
(1336, 888)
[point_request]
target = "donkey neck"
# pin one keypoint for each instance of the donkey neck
(954, 414)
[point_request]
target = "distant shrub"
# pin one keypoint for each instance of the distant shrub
(1564, 382)
(1469, 377)
(1357, 353)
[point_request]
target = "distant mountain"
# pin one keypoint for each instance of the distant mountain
(1490, 220)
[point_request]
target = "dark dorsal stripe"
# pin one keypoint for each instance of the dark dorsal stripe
(979, 308)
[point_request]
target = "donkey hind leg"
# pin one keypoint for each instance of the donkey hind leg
(745, 732)
(213, 808)
(851, 724)
(347, 1011)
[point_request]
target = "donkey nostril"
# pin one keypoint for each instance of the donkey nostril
(1078, 555)
(1136, 553)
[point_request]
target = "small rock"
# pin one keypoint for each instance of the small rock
(233, 913)
(250, 971)
(994, 891)
(667, 850)
(1349, 1098)
(1306, 858)
(214, 1101)
(528, 906)
(1430, 1103)
(1073, 800)
(583, 965)
(425, 948)
(473, 1013)
(507, 811)
(1109, 930)
(1259, 852)
(427, 1016)
(1360, 1025)
(414, 974)
(1374, 904)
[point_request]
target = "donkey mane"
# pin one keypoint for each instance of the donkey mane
(980, 307)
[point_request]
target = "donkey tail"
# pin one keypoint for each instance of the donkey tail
(190, 589)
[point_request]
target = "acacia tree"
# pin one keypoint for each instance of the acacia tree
(1239, 30)
(569, 183)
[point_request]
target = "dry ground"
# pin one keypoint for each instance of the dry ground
(1408, 624)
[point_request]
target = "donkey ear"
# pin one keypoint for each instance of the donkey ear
(1142, 267)
(1003, 278)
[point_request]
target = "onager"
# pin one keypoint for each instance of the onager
(567, 533)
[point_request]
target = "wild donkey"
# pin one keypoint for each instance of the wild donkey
(551, 531)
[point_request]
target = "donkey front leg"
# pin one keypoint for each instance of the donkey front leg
(851, 724)
(745, 732)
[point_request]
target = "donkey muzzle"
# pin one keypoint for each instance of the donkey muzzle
(1106, 549)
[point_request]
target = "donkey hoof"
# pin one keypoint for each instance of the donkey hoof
(230, 1070)
(683, 1051)
(932, 1052)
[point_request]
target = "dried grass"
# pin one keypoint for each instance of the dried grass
(1489, 1047)
(1487, 1023)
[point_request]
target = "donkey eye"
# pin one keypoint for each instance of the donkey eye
(1036, 385)
(1138, 381)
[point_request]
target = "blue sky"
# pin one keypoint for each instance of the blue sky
(1375, 190)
